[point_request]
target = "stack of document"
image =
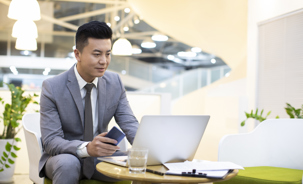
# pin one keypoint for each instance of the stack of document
(206, 169)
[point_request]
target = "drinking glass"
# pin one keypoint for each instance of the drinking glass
(137, 158)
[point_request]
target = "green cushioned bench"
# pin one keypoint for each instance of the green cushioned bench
(48, 181)
(266, 175)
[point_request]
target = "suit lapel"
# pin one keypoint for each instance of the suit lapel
(101, 101)
(73, 87)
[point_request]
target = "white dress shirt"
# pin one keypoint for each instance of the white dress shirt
(82, 150)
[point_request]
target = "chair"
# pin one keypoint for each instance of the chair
(272, 153)
(31, 126)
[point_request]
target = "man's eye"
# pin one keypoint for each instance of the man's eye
(96, 54)
(108, 54)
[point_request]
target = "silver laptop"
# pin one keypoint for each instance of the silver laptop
(170, 138)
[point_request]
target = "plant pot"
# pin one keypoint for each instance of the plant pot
(6, 176)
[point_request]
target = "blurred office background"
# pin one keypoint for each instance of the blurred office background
(218, 57)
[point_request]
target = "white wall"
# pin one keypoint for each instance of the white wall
(258, 11)
(227, 111)
(225, 101)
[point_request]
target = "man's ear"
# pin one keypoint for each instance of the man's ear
(77, 54)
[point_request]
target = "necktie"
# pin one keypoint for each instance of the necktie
(88, 164)
(88, 115)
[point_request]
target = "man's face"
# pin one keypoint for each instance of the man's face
(94, 58)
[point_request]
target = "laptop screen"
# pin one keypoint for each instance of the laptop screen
(170, 138)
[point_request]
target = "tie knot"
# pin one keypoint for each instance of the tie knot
(89, 87)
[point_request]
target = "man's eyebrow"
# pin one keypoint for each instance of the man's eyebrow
(96, 50)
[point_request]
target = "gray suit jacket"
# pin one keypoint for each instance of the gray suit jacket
(62, 113)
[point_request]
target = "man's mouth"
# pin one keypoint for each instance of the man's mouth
(101, 69)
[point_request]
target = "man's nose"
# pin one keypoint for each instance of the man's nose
(102, 59)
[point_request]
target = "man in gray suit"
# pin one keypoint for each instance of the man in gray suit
(76, 107)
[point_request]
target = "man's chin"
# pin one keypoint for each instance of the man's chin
(100, 74)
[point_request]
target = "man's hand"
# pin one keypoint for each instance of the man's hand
(100, 147)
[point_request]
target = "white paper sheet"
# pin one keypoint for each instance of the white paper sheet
(202, 165)
(209, 174)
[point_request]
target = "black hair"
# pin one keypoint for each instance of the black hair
(93, 29)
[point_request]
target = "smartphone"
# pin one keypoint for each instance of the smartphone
(116, 134)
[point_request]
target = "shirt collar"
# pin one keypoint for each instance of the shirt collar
(81, 81)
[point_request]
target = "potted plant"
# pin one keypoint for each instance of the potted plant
(290, 110)
(13, 113)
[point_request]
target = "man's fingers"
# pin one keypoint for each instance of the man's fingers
(103, 134)
(105, 139)
(107, 151)
(104, 143)
(104, 146)
(109, 147)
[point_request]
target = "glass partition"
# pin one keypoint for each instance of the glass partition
(140, 70)
(60, 47)
(189, 81)
(215, 75)
(203, 78)
(171, 86)
(3, 48)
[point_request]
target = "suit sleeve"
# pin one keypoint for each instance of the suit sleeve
(124, 116)
(51, 127)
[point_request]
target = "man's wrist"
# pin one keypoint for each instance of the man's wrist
(82, 150)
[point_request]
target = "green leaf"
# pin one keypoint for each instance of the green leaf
(277, 117)
(7, 166)
(290, 114)
(14, 123)
(17, 139)
(256, 112)
(16, 148)
(261, 112)
(243, 123)
(251, 113)
(35, 103)
(1, 170)
(247, 115)
(11, 161)
(5, 154)
(1, 162)
(8, 147)
(288, 110)
(297, 112)
(3, 158)
(268, 113)
(259, 118)
(14, 155)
